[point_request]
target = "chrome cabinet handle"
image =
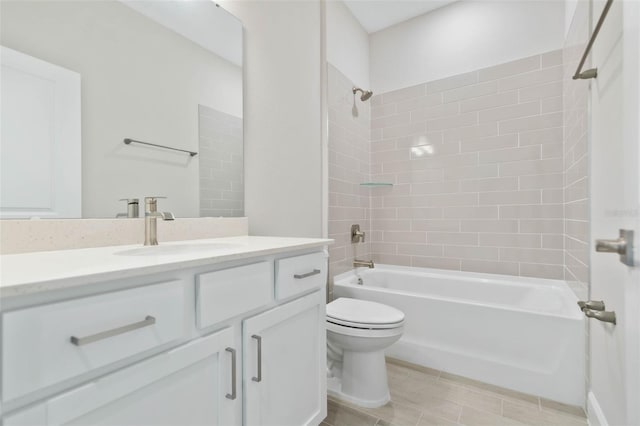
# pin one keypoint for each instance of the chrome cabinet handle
(308, 274)
(259, 340)
(232, 395)
(79, 341)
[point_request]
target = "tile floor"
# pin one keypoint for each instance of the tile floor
(425, 397)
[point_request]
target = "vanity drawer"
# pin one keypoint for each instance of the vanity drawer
(227, 293)
(299, 274)
(47, 344)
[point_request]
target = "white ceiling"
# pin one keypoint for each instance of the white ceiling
(375, 15)
(201, 21)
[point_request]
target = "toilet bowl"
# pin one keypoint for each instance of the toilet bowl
(358, 332)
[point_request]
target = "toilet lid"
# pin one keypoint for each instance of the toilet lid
(355, 312)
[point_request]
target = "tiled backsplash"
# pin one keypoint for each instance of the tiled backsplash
(221, 163)
(349, 137)
(477, 166)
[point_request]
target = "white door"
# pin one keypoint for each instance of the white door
(190, 385)
(614, 396)
(284, 366)
(39, 138)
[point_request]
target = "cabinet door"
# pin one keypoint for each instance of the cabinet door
(284, 365)
(190, 385)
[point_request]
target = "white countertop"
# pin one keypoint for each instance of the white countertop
(27, 273)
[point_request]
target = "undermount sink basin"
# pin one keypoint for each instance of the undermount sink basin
(174, 249)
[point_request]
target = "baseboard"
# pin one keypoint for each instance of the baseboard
(595, 416)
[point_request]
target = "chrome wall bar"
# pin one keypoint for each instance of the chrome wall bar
(128, 141)
(593, 72)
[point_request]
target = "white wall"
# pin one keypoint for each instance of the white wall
(570, 7)
(461, 37)
(347, 44)
(282, 98)
(129, 90)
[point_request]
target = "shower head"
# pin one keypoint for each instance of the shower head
(365, 94)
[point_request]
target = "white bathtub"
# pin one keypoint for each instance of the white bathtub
(525, 334)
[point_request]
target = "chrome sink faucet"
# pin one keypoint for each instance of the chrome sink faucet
(151, 215)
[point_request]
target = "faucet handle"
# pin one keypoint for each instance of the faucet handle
(132, 208)
(152, 201)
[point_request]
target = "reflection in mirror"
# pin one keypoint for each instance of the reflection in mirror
(167, 73)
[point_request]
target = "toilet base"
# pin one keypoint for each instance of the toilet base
(334, 389)
(361, 380)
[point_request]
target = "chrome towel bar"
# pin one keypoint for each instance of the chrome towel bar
(593, 72)
(128, 141)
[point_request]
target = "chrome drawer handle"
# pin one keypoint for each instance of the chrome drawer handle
(308, 274)
(259, 339)
(79, 341)
(232, 395)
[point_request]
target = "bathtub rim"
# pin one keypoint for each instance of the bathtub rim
(346, 279)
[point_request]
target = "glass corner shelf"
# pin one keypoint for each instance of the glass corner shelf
(375, 184)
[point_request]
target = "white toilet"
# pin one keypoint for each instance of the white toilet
(358, 332)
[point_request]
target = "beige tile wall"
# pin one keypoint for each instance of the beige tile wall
(349, 149)
(576, 159)
(220, 163)
(576, 149)
(477, 166)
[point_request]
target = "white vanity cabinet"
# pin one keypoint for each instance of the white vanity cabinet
(284, 351)
(231, 344)
(188, 385)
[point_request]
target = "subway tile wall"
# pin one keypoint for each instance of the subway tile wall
(477, 166)
(576, 151)
(349, 166)
(221, 163)
(576, 158)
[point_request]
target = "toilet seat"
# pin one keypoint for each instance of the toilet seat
(370, 333)
(363, 314)
(364, 326)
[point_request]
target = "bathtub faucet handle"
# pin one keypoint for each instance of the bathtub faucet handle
(357, 236)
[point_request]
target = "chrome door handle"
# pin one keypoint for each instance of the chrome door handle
(232, 395)
(604, 316)
(594, 305)
(79, 341)
(259, 340)
(308, 274)
(622, 246)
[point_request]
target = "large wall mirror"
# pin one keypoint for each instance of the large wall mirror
(82, 78)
